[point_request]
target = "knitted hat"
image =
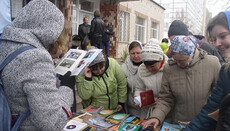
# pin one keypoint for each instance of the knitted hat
(152, 52)
(154, 41)
(178, 28)
(100, 58)
(183, 45)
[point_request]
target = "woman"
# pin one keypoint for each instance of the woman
(29, 80)
(150, 73)
(186, 83)
(218, 34)
(130, 68)
(103, 84)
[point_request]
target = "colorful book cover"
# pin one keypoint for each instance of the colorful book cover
(147, 97)
(170, 127)
(116, 117)
(93, 109)
(129, 127)
(106, 112)
(73, 125)
(100, 122)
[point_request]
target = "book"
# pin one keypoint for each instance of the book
(106, 112)
(80, 117)
(73, 125)
(116, 117)
(145, 98)
(129, 127)
(93, 109)
(170, 127)
(97, 120)
(76, 60)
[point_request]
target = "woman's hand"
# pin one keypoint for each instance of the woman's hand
(88, 73)
(149, 122)
(119, 107)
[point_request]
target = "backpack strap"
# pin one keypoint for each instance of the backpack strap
(14, 54)
(21, 115)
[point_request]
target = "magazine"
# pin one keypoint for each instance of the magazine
(93, 109)
(76, 60)
(129, 127)
(170, 127)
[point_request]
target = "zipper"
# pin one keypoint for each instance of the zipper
(107, 91)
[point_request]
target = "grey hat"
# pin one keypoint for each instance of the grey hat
(100, 58)
(178, 28)
(152, 52)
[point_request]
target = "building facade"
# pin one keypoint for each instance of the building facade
(130, 19)
(188, 11)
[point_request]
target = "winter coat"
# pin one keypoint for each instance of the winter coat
(130, 71)
(146, 81)
(29, 80)
(185, 90)
(106, 35)
(164, 46)
(105, 90)
(97, 27)
(202, 121)
(83, 30)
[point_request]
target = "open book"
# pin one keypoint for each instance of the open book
(76, 61)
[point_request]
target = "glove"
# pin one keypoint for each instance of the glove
(68, 80)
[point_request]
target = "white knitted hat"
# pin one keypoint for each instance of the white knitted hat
(152, 52)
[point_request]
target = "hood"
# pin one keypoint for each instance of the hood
(106, 67)
(39, 23)
(199, 54)
(144, 72)
(130, 66)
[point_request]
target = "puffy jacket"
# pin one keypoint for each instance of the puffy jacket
(184, 91)
(106, 35)
(105, 90)
(202, 122)
(97, 27)
(29, 80)
(164, 46)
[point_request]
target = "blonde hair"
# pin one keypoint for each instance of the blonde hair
(60, 43)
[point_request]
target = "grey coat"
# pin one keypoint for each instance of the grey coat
(29, 80)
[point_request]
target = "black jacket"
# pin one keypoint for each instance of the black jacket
(83, 30)
(97, 27)
(106, 35)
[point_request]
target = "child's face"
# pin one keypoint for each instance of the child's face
(221, 39)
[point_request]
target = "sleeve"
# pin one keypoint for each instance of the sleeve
(110, 31)
(121, 83)
(140, 86)
(166, 98)
(202, 121)
(92, 26)
(38, 81)
(80, 32)
(84, 87)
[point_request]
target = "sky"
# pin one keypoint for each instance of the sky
(216, 6)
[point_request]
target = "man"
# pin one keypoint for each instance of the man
(96, 30)
(83, 31)
(106, 37)
(176, 28)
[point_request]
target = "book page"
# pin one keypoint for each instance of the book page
(88, 58)
(70, 61)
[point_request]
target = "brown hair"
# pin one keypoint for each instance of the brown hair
(219, 19)
(134, 44)
(60, 43)
(165, 40)
(97, 13)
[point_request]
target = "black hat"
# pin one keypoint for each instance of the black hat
(178, 28)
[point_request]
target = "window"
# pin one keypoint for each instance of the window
(123, 26)
(86, 5)
(74, 20)
(154, 30)
(140, 29)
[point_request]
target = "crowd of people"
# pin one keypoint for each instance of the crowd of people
(189, 78)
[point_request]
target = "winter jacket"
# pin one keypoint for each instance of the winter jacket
(164, 46)
(185, 90)
(97, 27)
(202, 122)
(105, 90)
(130, 71)
(29, 80)
(106, 35)
(83, 30)
(146, 81)
(212, 51)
